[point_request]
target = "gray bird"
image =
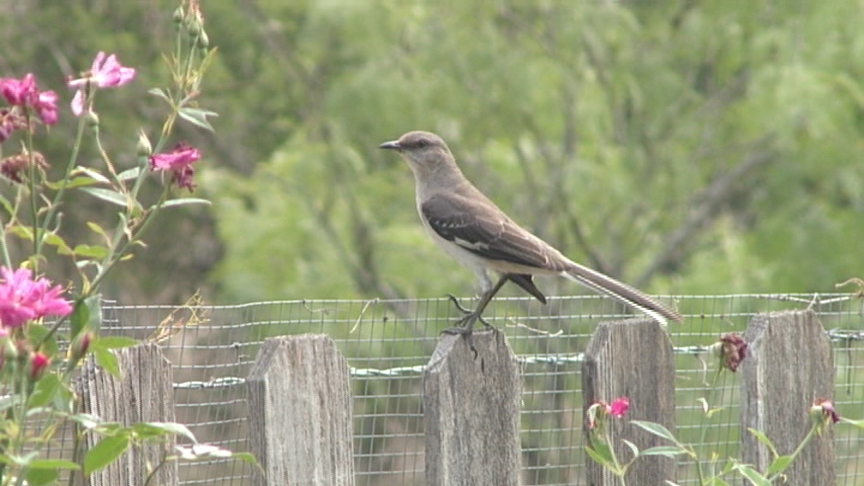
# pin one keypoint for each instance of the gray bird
(469, 227)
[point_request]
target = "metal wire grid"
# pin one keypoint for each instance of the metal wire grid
(387, 343)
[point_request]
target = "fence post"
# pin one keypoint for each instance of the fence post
(143, 393)
(788, 365)
(471, 412)
(631, 358)
(300, 420)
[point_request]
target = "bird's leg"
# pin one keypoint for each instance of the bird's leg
(465, 311)
(466, 324)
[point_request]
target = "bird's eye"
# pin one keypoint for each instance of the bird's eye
(422, 143)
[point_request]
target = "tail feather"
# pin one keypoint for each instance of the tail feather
(621, 292)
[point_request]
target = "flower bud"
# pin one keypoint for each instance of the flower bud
(143, 149)
(178, 16)
(79, 347)
(92, 119)
(38, 364)
(203, 40)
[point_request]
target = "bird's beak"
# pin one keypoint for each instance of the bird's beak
(390, 145)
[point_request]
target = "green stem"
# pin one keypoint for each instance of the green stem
(798, 450)
(114, 256)
(31, 183)
(704, 433)
(73, 158)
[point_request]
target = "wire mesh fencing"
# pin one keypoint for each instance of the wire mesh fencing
(387, 344)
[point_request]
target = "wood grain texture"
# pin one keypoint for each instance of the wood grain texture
(143, 393)
(300, 418)
(634, 359)
(472, 410)
(789, 364)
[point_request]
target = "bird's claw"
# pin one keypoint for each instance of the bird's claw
(470, 316)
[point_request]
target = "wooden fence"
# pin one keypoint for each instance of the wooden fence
(300, 417)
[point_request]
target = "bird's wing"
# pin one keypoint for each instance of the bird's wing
(481, 228)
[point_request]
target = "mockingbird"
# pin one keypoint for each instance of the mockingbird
(473, 230)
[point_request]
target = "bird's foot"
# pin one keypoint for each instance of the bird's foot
(465, 325)
(468, 320)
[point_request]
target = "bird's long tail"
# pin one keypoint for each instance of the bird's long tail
(621, 292)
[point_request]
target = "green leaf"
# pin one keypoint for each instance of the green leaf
(184, 201)
(53, 464)
(197, 117)
(108, 195)
(97, 252)
(602, 450)
(761, 437)
(752, 475)
(86, 420)
(632, 446)
(157, 429)
(79, 318)
(159, 93)
(45, 390)
(87, 314)
(6, 205)
(717, 482)
(54, 240)
(37, 334)
(74, 182)
(129, 174)
(105, 452)
(657, 430)
(246, 457)
(22, 232)
(41, 477)
(855, 423)
(666, 451)
(115, 342)
(93, 174)
(599, 459)
(107, 361)
(98, 230)
(778, 465)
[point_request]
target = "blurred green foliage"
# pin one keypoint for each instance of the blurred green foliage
(685, 147)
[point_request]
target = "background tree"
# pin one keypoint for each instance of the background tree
(683, 147)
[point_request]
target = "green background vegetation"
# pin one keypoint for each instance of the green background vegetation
(685, 147)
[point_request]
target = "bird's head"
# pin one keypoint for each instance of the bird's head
(424, 151)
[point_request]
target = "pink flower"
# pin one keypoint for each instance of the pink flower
(23, 299)
(19, 92)
(619, 407)
(46, 107)
(25, 93)
(38, 363)
(598, 411)
(179, 161)
(105, 72)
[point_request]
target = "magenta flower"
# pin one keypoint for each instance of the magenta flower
(619, 407)
(19, 92)
(105, 72)
(25, 93)
(179, 161)
(23, 299)
(598, 411)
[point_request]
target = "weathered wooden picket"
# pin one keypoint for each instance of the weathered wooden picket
(300, 404)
